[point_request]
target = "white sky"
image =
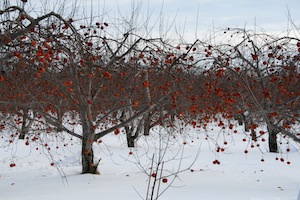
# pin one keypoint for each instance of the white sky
(268, 15)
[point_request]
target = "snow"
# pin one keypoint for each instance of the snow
(239, 176)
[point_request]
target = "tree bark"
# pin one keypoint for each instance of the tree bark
(132, 134)
(239, 118)
(147, 125)
(130, 141)
(88, 164)
(247, 123)
(147, 116)
(273, 146)
(88, 137)
(24, 129)
(26, 123)
(87, 156)
(253, 135)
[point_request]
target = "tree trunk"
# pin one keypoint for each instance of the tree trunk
(132, 129)
(273, 146)
(147, 124)
(88, 164)
(25, 126)
(131, 135)
(172, 116)
(247, 123)
(88, 137)
(253, 135)
(240, 122)
(239, 118)
(87, 156)
(147, 116)
(130, 141)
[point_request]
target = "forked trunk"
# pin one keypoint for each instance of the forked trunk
(131, 136)
(132, 129)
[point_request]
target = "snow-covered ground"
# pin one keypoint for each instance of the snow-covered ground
(239, 176)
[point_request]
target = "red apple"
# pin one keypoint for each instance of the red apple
(12, 165)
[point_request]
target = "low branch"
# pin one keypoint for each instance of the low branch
(140, 113)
